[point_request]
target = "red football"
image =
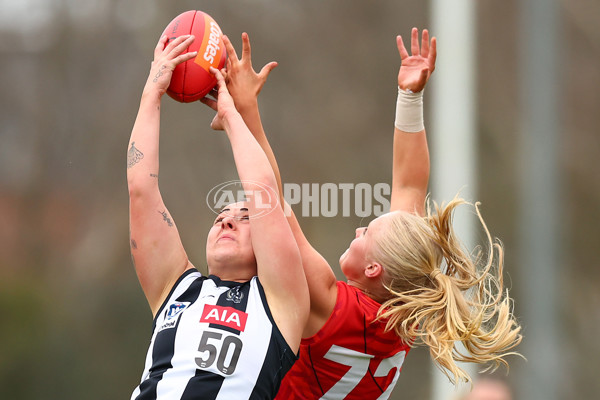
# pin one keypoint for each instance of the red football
(192, 79)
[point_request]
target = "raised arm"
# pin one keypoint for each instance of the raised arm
(156, 249)
(244, 85)
(277, 257)
(410, 174)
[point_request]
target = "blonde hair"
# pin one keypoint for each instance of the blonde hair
(440, 294)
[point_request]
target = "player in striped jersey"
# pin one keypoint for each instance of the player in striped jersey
(235, 333)
(397, 292)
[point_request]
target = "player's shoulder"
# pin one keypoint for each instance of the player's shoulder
(351, 294)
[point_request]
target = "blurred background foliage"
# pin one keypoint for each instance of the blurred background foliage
(75, 324)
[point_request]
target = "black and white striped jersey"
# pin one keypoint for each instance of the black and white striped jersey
(213, 340)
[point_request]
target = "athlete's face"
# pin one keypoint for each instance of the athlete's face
(229, 241)
(357, 258)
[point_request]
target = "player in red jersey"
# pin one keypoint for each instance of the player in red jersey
(409, 281)
(352, 354)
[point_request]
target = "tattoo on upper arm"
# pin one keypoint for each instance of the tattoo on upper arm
(133, 156)
(154, 175)
(166, 218)
(133, 244)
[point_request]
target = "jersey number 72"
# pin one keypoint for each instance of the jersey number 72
(359, 366)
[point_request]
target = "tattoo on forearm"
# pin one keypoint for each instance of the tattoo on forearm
(166, 218)
(159, 73)
(154, 175)
(133, 156)
(133, 246)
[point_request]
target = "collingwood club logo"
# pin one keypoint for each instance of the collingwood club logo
(234, 295)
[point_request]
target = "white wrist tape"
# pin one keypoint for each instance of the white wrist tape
(409, 111)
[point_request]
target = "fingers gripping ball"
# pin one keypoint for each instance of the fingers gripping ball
(192, 79)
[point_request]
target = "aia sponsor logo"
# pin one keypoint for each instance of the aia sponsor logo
(224, 316)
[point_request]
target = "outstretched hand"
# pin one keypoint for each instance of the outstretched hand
(243, 82)
(166, 58)
(418, 67)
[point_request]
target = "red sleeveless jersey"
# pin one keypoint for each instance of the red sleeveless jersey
(351, 357)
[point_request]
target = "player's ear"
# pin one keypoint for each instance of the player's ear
(373, 270)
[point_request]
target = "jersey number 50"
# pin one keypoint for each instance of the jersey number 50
(218, 349)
